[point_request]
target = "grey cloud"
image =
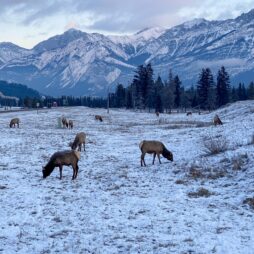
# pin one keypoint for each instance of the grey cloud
(120, 16)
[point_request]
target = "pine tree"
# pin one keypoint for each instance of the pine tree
(149, 87)
(234, 95)
(250, 91)
(120, 96)
(177, 91)
(223, 87)
(205, 89)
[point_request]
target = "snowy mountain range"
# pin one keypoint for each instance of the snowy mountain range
(79, 63)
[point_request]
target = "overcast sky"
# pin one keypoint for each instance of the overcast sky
(27, 22)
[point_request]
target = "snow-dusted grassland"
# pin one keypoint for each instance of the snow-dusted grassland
(114, 205)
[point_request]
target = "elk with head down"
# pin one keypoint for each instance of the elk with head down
(156, 148)
(14, 121)
(217, 121)
(60, 159)
(98, 118)
(79, 140)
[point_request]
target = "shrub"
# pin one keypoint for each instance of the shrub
(249, 201)
(215, 145)
(202, 192)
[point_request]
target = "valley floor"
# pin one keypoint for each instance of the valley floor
(117, 206)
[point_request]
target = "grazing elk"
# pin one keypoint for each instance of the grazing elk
(188, 114)
(157, 113)
(65, 122)
(70, 124)
(79, 140)
(217, 121)
(60, 159)
(98, 118)
(155, 148)
(14, 121)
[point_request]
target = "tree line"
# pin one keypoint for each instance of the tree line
(210, 93)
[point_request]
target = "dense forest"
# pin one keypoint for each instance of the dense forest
(145, 93)
(208, 94)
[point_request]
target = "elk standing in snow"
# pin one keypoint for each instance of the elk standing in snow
(155, 148)
(217, 121)
(157, 113)
(98, 117)
(60, 159)
(70, 124)
(79, 140)
(65, 122)
(14, 121)
(189, 114)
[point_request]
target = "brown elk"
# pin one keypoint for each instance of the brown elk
(157, 113)
(98, 118)
(70, 124)
(79, 140)
(217, 121)
(60, 159)
(65, 122)
(155, 148)
(14, 121)
(188, 114)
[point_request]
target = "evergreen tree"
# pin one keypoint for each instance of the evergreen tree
(120, 96)
(250, 91)
(149, 88)
(177, 91)
(234, 95)
(223, 87)
(205, 89)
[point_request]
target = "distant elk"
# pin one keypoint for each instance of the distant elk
(14, 122)
(98, 118)
(70, 123)
(79, 140)
(189, 113)
(60, 159)
(217, 121)
(155, 148)
(157, 114)
(65, 122)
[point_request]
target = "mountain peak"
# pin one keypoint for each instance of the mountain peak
(194, 22)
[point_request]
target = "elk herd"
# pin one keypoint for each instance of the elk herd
(72, 157)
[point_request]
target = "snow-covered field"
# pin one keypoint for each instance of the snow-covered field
(117, 206)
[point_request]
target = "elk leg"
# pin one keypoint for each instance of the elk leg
(154, 157)
(76, 171)
(84, 146)
(61, 169)
(143, 160)
(158, 155)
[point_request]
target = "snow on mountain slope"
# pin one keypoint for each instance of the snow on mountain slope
(140, 38)
(9, 51)
(117, 206)
(79, 63)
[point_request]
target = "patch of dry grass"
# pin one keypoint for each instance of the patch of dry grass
(202, 192)
(249, 201)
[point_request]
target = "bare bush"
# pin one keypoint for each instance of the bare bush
(202, 192)
(249, 201)
(239, 161)
(215, 145)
